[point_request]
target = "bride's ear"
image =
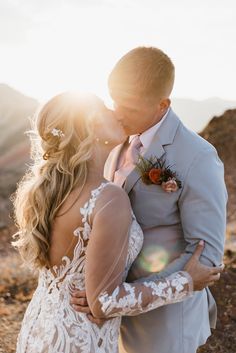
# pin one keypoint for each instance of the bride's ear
(96, 124)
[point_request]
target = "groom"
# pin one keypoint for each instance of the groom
(173, 222)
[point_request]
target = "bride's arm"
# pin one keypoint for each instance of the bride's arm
(106, 254)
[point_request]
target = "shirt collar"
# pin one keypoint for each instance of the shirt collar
(147, 136)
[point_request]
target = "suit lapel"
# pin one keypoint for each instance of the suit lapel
(164, 136)
(156, 150)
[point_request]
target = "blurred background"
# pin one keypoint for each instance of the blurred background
(48, 46)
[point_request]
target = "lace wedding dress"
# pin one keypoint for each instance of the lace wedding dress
(51, 325)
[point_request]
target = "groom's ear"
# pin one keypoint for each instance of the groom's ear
(164, 104)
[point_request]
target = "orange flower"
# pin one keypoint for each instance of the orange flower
(155, 175)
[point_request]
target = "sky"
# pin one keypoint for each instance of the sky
(47, 46)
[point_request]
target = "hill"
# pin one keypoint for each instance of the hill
(221, 132)
(15, 110)
(197, 114)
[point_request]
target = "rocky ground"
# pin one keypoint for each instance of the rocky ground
(17, 286)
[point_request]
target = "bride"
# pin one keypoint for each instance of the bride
(78, 231)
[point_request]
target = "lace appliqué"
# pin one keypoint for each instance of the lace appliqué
(137, 298)
(125, 303)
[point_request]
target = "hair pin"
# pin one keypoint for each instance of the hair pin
(57, 132)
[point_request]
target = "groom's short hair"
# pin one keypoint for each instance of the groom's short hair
(143, 71)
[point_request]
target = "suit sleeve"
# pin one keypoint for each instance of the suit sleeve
(202, 207)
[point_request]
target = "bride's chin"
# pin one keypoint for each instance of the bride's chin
(118, 140)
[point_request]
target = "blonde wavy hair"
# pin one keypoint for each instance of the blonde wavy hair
(60, 165)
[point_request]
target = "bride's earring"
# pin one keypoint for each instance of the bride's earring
(105, 142)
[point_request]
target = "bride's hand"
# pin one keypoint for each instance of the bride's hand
(202, 276)
(79, 303)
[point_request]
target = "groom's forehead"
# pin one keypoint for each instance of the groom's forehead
(127, 100)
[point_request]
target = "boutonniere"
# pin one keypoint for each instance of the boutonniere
(155, 171)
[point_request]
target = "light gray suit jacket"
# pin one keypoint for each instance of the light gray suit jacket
(172, 225)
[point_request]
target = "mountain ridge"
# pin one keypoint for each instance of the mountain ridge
(16, 108)
(196, 114)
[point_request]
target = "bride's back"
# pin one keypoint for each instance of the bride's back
(67, 220)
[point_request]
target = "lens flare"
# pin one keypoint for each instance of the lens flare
(153, 258)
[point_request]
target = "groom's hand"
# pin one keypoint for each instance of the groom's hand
(79, 303)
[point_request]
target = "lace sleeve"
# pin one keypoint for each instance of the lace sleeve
(105, 265)
(137, 298)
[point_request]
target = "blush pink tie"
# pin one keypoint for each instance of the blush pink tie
(129, 161)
